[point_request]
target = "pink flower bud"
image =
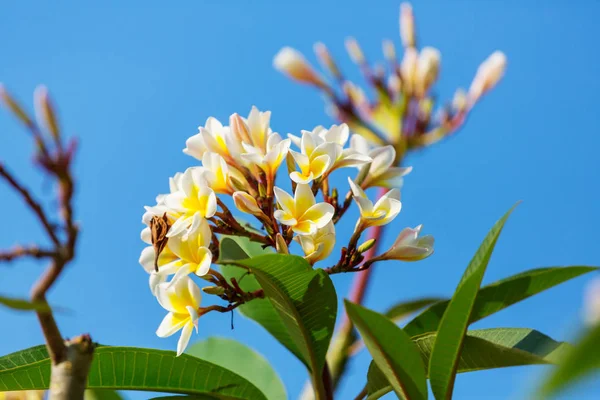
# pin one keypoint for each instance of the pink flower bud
(293, 64)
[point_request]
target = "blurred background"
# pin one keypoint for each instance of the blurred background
(133, 81)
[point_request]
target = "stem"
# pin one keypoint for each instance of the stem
(339, 354)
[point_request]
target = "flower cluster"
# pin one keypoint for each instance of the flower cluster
(242, 161)
(404, 112)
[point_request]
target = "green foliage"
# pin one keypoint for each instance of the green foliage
(392, 350)
(259, 310)
(482, 350)
(242, 360)
(23, 305)
(131, 368)
(305, 300)
(577, 362)
(403, 309)
(453, 326)
(499, 295)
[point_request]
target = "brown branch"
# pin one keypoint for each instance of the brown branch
(21, 252)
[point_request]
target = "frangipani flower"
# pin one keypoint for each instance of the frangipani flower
(271, 157)
(182, 300)
(381, 173)
(318, 246)
(315, 158)
(253, 130)
(322, 152)
(192, 249)
(302, 212)
(193, 196)
(409, 246)
(212, 137)
(380, 213)
(218, 174)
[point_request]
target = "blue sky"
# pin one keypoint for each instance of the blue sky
(134, 80)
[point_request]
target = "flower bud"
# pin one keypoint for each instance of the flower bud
(407, 25)
(428, 65)
(366, 245)
(292, 63)
(45, 112)
(326, 59)
(239, 128)
(487, 76)
(408, 68)
(246, 203)
(389, 51)
(216, 290)
(354, 50)
(409, 246)
(281, 245)
(13, 106)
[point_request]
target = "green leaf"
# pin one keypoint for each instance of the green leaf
(242, 360)
(132, 368)
(499, 295)
(403, 309)
(305, 300)
(23, 305)
(453, 326)
(579, 361)
(392, 350)
(235, 248)
(484, 349)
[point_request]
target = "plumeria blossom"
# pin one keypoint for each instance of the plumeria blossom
(271, 157)
(182, 301)
(241, 161)
(192, 251)
(322, 152)
(382, 172)
(214, 137)
(380, 213)
(409, 246)
(192, 196)
(301, 212)
(219, 175)
(319, 245)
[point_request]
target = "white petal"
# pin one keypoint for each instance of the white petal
(184, 339)
(170, 324)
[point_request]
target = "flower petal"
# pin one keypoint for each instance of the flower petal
(171, 323)
(319, 214)
(184, 339)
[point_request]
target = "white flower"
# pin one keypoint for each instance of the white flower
(218, 174)
(269, 159)
(380, 213)
(381, 173)
(192, 249)
(301, 212)
(318, 246)
(212, 137)
(322, 152)
(192, 196)
(182, 300)
(409, 246)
